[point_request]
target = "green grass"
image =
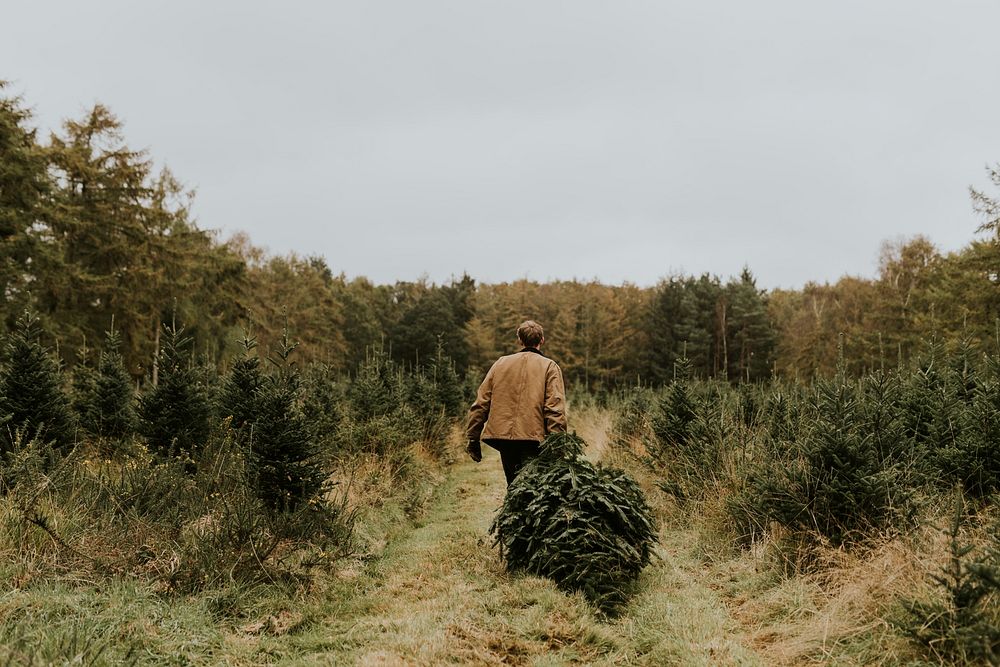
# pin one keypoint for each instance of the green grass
(440, 595)
(428, 588)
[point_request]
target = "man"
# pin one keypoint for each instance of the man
(520, 402)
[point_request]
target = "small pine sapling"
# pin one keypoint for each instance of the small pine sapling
(324, 402)
(106, 400)
(449, 392)
(681, 450)
(376, 389)
(972, 459)
(33, 402)
(84, 390)
(238, 396)
(956, 627)
(283, 455)
(175, 414)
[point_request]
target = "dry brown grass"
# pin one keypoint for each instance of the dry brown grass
(801, 603)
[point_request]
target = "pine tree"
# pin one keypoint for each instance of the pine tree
(375, 390)
(83, 391)
(972, 458)
(838, 487)
(751, 335)
(25, 189)
(324, 403)
(682, 450)
(105, 399)
(283, 454)
(32, 399)
(674, 419)
(175, 414)
(447, 385)
(238, 398)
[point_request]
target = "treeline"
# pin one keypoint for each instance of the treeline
(920, 294)
(90, 230)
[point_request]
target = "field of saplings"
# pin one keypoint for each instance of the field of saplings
(900, 464)
(275, 512)
(198, 482)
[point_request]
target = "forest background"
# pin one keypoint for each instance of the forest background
(90, 229)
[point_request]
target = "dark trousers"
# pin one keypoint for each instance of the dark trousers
(514, 454)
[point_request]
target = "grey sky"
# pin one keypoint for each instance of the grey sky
(621, 139)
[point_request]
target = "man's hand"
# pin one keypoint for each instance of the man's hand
(475, 450)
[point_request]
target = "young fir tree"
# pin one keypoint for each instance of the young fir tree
(674, 420)
(32, 400)
(84, 387)
(447, 385)
(323, 404)
(972, 459)
(682, 450)
(839, 488)
(175, 414)
(239, 394)
(376, 390)
(105, 400)
(283, 454)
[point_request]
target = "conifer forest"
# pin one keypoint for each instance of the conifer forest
(212, 454)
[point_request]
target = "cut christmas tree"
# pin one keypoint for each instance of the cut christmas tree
(586, 527)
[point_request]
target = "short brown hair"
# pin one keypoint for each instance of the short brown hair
(530, 333)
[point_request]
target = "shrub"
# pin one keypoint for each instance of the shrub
(156, 521)
(586, 527)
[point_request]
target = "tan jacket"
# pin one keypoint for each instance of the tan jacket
(522, 398)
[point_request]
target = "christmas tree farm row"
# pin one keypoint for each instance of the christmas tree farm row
(200, 477)
(845, 464)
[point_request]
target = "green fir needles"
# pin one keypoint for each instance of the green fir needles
(32, 399)
(586, 527)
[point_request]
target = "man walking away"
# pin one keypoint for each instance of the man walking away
(520, 402)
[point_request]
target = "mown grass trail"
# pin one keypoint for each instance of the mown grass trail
(439, 595)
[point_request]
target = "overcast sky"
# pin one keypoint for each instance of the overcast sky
(616, 139)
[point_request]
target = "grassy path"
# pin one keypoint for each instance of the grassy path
(439, 595)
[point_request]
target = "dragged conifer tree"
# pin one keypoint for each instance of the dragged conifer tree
(175, 414)
(33, 401)
(105, 400)
(283, 453)
(586, 527)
